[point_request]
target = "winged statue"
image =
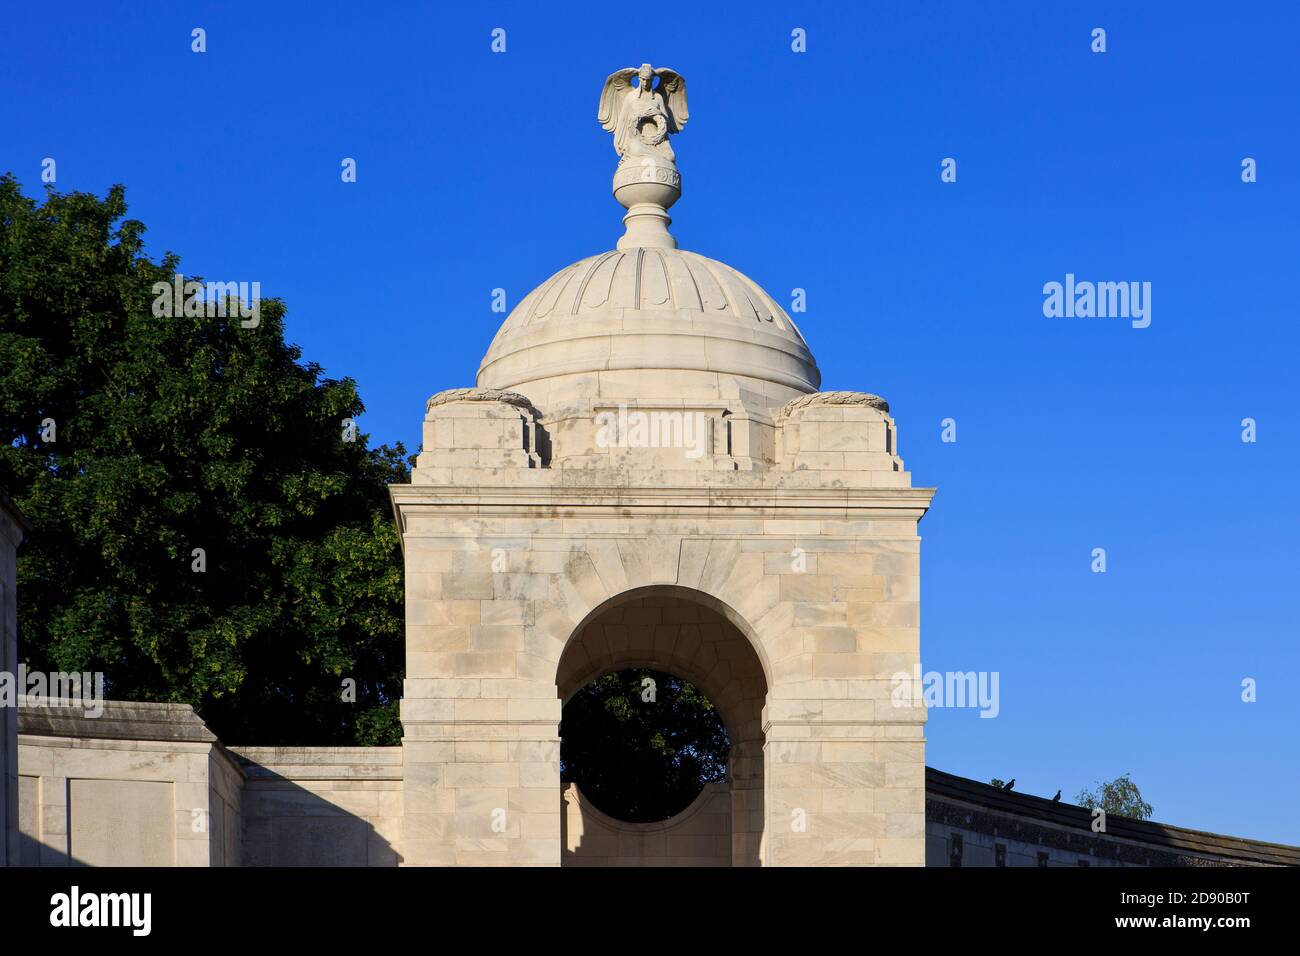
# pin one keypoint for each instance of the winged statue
(643, 116)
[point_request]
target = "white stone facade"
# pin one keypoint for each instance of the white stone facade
(321, 806)
(139, 785)
(646, 475)
(810, 559)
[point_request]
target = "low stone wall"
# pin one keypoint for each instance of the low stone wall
(322, 806)
(140, 785)
(150, 785)
(698, 836)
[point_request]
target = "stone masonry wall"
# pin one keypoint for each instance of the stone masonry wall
(829, 600)
(133, 787)
(698, 836)
(322, 806)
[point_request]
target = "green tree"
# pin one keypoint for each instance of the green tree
(1119, 797)
(641, 752)
(176, 434)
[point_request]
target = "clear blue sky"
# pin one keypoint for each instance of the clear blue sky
(819, 171)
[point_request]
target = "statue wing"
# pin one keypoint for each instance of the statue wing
(616, 85)
(673, 88)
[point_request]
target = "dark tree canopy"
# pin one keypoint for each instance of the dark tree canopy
(173, 434)
(640, 759)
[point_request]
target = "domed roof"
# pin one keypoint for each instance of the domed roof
(649, 321)
(651, 308)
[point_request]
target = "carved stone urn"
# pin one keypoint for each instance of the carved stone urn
(646, 187)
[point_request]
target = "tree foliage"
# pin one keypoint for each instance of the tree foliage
(176, 434)
(641, 752)
(1119, 797)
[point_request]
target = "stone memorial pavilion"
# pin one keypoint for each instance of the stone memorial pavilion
(646, 475)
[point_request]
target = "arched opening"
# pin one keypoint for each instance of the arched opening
(669, 737)
(693, 637)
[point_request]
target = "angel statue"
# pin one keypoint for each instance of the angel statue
(643, 117)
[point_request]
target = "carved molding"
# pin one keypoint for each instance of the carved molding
(832, 398)
(448, 395)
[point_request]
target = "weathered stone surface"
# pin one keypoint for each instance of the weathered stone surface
(831, 399)
(700, 508)
(141, 785)
(322, 806)
(449, 395)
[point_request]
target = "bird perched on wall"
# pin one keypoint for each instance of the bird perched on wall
(1010, 784)
(1057, 798)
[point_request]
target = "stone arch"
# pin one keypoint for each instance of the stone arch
(694, 636)
(715, 572)
(712, 611)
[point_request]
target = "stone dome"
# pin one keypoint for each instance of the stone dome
(649, 322)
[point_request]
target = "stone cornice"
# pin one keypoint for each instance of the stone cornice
(621, 501)
(120, 720)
